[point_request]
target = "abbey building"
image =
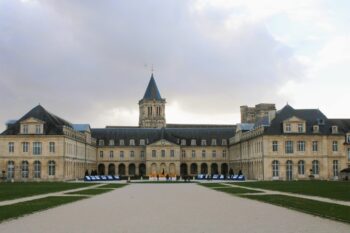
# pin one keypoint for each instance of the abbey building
(287, 144)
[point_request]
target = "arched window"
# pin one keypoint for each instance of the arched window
(24, 169)
(52, 168)
(194, 168)
(132, 169)
(10, 169)
(315, 167)
(301, 167)
(275, 168)
(37, 169)
(289, 170)
(111, 169)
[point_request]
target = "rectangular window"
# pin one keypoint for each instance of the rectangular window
(25, 129)
(172, 153)
(274, 146)
(193, 142)
(142, 154)
(335, 168)
(335, 146)
(142, 142)
(11, 147)
(121, 154)
(224, 142)
(300, 128)
(36, 148)
(193, 154)
(203, 153)
(111, 154)
(315, 146)
(204, 142)
(316, 128)
(154, 153)
(111, 142)
(289, 147)
(163, 153)
(101, 154)
(121, 142)
(25, 146)
(38, 129)
(348, 154)
(301, 145)
(101, 142)
(348, 138)
(52, 147)
(224, 153)
(183, 154)
(334, 129)
(183, 142)
(213, 142)
(132, 154)
(214, 153)
(288, 128)
(132, 142)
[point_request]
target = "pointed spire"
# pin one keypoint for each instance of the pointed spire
(152, 92)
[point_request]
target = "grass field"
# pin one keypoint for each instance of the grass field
(330, 189)
(28, 207)
(328, 210)
(10, 191)
(95, 191)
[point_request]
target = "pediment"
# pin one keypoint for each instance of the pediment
(294, 119)
(32, 120)
(163, 142)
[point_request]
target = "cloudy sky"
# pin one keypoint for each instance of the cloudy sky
(90, 61)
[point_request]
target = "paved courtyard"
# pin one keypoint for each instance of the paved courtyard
(170, 208)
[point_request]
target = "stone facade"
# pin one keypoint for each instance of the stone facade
(290, 144)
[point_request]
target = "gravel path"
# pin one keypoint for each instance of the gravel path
(160, 208)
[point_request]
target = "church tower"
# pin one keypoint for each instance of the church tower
(152, 107)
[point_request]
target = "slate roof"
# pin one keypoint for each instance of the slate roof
(53, 124)
(152, 92)
(81, 127)
(311, 116)
(174, 135)
(343, 124)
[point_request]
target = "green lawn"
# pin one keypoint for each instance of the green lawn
(23, 208)
(113, 186)
(330, 189)
(95, 191)
(10, 191)
(328, 210)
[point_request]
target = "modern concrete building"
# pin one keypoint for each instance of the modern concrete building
(266, 145)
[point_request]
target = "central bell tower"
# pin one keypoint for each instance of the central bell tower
(152, 107)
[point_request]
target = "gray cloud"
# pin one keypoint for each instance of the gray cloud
(79, 58)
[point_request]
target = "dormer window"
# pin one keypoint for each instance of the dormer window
(204, 142)
(316, 129)
(334, 129)
(25, 129)
(38, 129)
(193, 142)
(300, 128)
(224, 142)
(348, 138)
(121, 142)
(132, 142)
(183, 142)
(288, 128)
(142, 142)
(101, 142)
(111, 142)
(213, 142)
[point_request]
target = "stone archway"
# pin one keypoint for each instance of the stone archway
(132, 169)
(101, 169)
(172, 170)
(224, 169)
(142, 169)
(111, 169)
(204, 168)
(194, 169)
(214, 168)
(183, 169)
(153, 169)
(121, 169)
(163, 171)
